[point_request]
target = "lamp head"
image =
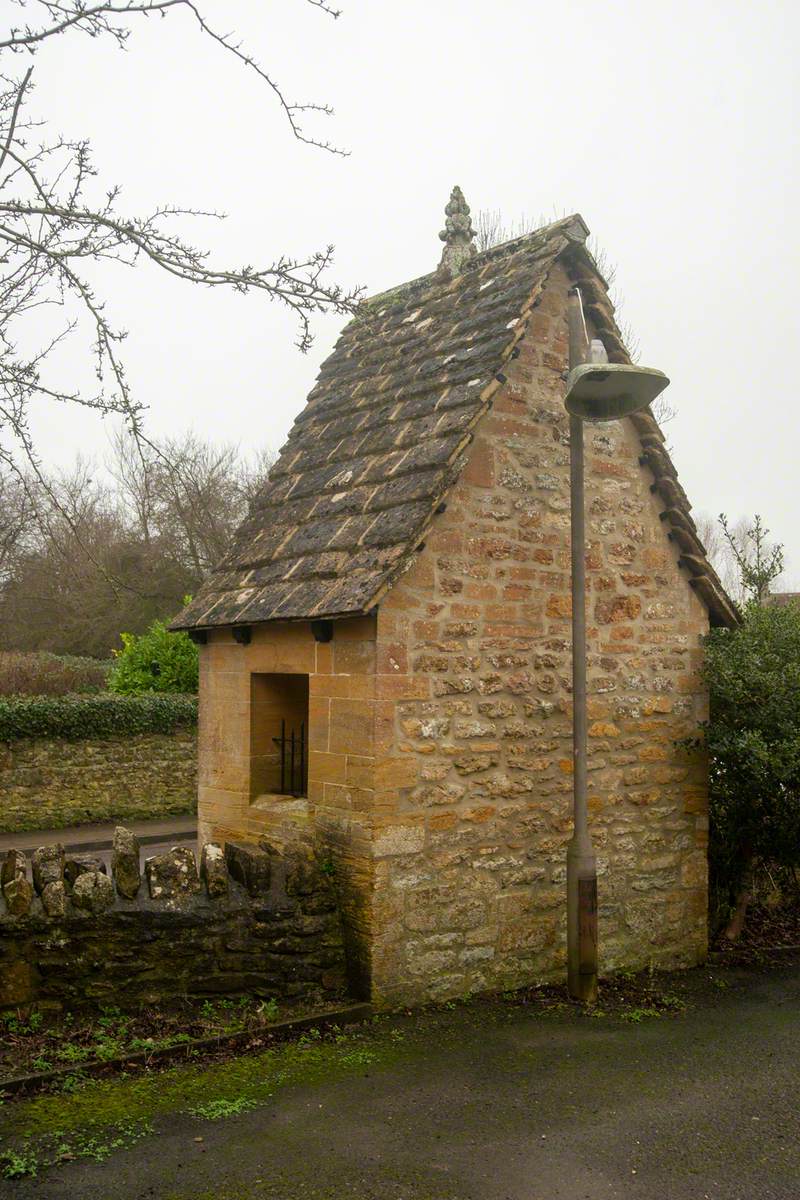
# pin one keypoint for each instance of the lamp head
(608, 391)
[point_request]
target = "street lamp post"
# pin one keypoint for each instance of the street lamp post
(581, 862)
(600, 392)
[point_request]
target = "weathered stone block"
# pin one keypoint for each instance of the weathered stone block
(213, 870)
(399, 839)
(80, 864)
(14, 865)
(17, 983)
(444, 793)
(468, 764)
(559, 606)
(617, 608)
(18, 893)
(249, 866)
(48, 866)
(54, 899)
(604, 729)
(474, 729)
(450, 687)
(172, 874)
(496, 708)
(125, 862)
(93, 892)
(302, 874)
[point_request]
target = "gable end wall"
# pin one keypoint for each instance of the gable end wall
(472, 824)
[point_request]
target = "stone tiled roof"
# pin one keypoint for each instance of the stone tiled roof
(386, 431)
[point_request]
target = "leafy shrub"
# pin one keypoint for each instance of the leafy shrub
(44, 674)
(76, 717)
(155, 661)
(753, 739)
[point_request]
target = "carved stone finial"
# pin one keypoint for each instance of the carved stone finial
(457, 234)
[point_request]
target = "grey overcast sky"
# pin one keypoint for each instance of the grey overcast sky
(672, 128)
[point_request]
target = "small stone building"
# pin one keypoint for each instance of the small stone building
(385, 651)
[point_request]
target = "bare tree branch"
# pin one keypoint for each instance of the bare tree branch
(332, 12)
(83, 557)
(55, 232)
(98, 19)
(14, 115)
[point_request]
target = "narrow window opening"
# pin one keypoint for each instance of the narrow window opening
(278, 735)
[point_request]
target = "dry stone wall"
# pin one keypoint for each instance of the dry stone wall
(469, 870)
(49, 783)
(250, 920)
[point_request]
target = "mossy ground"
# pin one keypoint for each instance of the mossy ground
(99, 1117)
(95, 1118)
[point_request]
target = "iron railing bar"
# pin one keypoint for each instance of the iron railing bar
(303, 787)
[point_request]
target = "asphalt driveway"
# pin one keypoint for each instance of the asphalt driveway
(478, 1102)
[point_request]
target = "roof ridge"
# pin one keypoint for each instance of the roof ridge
(574, 221)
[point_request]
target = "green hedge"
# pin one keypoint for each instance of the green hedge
(101, 716)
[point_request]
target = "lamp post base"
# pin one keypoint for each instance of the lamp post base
(581, 924)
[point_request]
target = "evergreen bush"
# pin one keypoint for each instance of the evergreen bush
(155, 661)
(753, 740)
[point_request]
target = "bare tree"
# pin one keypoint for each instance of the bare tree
(492, 228)
(187, 493)
(16, 519)
(710, 535)
(59, 230)
(742, 553)
(106, 551)
(758, 560)
(57, 594)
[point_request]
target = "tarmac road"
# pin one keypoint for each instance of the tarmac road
(496, 1102)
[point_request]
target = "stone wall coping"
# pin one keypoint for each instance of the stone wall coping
(75, 887)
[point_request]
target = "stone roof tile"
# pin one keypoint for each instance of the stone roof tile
(383, 434)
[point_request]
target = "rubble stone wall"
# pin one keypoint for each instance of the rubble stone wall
(471, 828)
(51, 782)
(252, 921)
